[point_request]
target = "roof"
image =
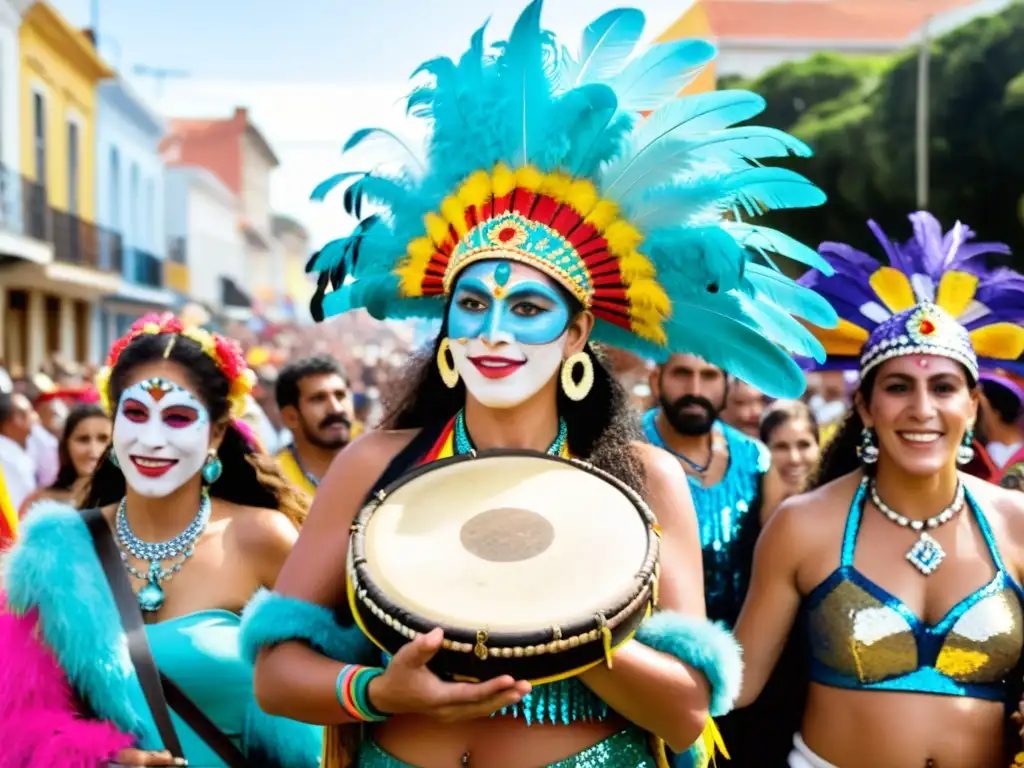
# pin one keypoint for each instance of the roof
(180, 128)
(71, 43)
(823, 20)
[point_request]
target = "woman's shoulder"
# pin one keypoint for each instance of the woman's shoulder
(818, 512)
(1003, 504)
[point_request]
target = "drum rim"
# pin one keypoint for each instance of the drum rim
(368, 597)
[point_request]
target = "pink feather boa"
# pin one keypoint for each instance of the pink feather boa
(39, 723)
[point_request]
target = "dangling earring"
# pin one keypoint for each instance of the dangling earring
(965, 453)
(574, 390)
(212, 468)
(449, 375)
(867, 451)
(112, 458)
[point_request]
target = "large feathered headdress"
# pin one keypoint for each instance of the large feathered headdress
(540, 156)
(935, 296)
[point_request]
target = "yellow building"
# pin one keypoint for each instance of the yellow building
(694, 23)
(47, 307)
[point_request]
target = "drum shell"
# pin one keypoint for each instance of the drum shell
(537, 655)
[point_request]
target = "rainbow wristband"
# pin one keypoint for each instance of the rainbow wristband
(352, 689)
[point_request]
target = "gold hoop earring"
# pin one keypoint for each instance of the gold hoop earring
(574, 390)
(449, 375)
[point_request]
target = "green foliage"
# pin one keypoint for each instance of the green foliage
(859, 115)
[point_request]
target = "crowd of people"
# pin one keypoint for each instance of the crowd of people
(219, 555)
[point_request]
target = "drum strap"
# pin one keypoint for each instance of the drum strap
(409, 456)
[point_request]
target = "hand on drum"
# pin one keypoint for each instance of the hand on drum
(128, 757)
(409, 687)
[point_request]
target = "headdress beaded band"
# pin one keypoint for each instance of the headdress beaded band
(935, 297)
(541, 157)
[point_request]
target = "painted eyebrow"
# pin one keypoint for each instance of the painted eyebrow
(533, 290)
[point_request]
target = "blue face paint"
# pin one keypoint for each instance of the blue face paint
(491, 303)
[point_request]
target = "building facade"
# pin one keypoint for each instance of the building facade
(297, 287)
(235, 151)
(206, 247)
(130, 207)
(50, 302)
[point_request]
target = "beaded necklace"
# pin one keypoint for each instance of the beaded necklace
(464, 445)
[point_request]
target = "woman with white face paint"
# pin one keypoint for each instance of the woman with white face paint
(201, 519)
(544, 217)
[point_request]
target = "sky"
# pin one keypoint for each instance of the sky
(311, 72)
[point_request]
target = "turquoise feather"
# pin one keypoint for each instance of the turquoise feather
(699, 114)
(779, 326)
(762, 239)
(528, 99)
(752, 142)
(770, 285)
(328, 185)
(607, 43)
(661, 73)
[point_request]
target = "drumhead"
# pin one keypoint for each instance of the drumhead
(506, 542)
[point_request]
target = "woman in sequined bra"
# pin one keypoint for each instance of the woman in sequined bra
(201, 519)
(907, 570)
(515, 233)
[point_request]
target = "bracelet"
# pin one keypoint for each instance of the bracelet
(352, 689)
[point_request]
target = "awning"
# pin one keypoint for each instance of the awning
(236, 303)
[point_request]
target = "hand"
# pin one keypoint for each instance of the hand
(409, 687)
(142, 757)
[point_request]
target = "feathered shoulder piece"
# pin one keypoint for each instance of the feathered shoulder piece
(543, 156)
(935, 296)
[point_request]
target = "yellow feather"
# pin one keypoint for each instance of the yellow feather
(529, 178)
(476, 190)
(845, 339)
(504, 180)
(1002, 341)
(956, 291)
(649, 295)
(602, 214)
(893, 288)
(635, 266)
(623, 238)
(414, 266)
(555, 185)
(437, 228)
(455, 213)
(581, 196)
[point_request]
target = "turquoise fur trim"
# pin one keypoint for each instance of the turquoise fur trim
(53, 567)
(270, 619)
(703, 645)
(276, 741)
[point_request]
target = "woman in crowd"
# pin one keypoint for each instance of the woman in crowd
(84, 442)
(790, 431)
(524, 265)
(181, 471)
(909, 570)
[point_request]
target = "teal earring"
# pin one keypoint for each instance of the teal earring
(212, 468)
(112, 458)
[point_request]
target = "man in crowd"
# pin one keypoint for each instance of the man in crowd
(743, 408)
(316, 407)
(725, 469)
(16, 463)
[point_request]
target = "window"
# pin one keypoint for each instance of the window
(73, 171)
(131, 240)
(115, 189)
(39, 133)
(149, 240)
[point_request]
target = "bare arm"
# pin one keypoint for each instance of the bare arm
(292, 679)
(650, 688)
(773, 599)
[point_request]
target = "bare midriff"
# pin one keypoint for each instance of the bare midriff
(889, 729)
(503, 741)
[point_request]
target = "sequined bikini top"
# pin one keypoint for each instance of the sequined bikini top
(864, 638)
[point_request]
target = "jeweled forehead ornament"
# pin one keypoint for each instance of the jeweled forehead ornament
(925, 329)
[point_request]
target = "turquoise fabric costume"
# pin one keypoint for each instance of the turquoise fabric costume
(728, 516)
(53, 569)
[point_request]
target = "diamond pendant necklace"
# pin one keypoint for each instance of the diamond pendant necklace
(151, 596)
(464, 445)
(926, 554)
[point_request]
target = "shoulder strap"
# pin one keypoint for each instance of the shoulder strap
(160, 692)
(408, 456)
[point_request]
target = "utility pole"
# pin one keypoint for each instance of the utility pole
(159, 75)
(923, 113)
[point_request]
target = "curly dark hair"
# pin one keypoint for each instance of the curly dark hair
(250, 478)
(68, 475)
(602, 427)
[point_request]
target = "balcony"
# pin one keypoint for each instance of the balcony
(37, 219)
(111, 250)
(143, 268)
(76, 241)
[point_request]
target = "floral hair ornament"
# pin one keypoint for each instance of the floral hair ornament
(226, 353)
(540, 156)
(935, 297)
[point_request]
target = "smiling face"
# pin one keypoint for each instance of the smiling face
(87, 442)
(795, 451)
(510, 328)
(161, 431)
(921, 406)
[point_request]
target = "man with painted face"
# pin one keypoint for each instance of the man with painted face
(725, 469)
(544, 218)
(316, 406)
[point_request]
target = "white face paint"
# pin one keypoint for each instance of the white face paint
(508, 327)
(161, 436)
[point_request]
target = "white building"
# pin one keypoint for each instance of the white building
(206, 241)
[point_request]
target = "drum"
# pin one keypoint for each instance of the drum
(533, 565)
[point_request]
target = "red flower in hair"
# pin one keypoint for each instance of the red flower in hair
(171, 324)
(229, 357)
(119, 347)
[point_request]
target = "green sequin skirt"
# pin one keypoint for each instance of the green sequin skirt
(625, 749)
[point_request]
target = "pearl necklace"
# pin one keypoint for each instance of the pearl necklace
(151, 596)
(926, 554)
